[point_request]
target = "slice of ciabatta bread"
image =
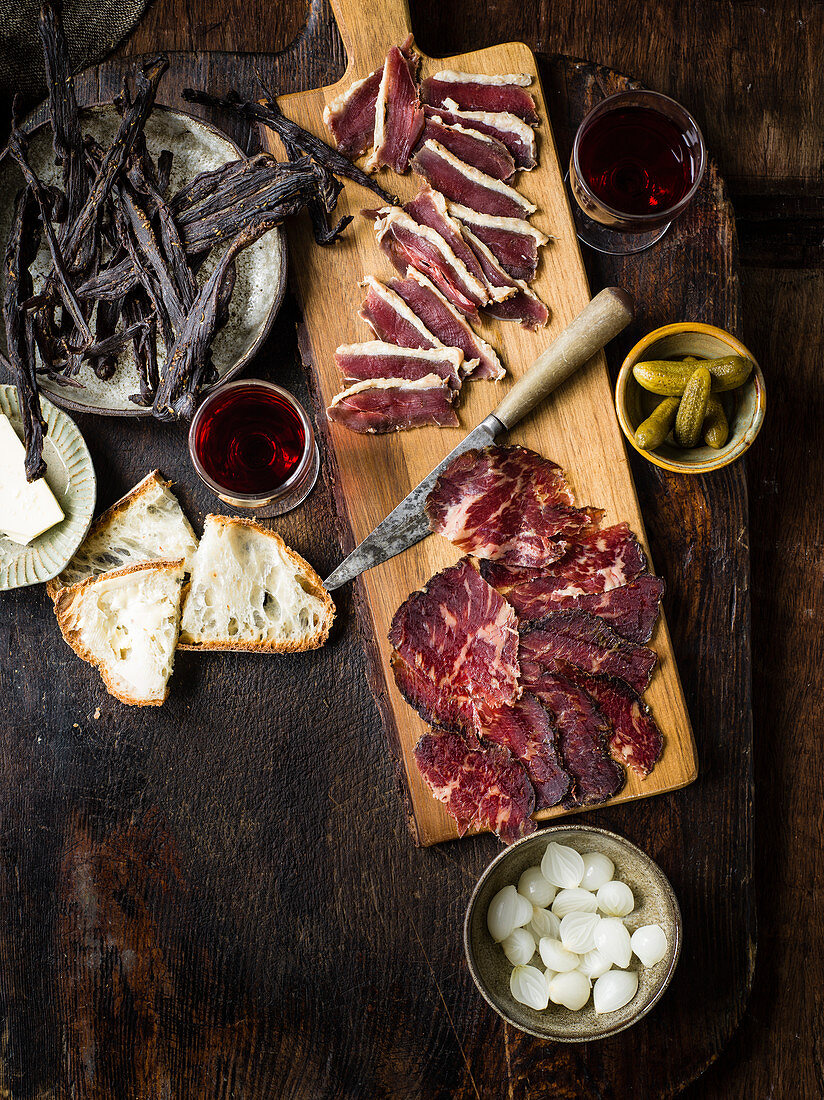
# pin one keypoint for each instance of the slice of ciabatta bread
(250, 592)
(147, 524)
(126, 623)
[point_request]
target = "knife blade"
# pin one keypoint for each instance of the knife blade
(407, 524)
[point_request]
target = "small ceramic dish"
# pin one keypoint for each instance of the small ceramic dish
(70, 475)
(261, 269)
(744, 407)
(655, 903)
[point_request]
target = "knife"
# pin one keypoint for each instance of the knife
(604, 317)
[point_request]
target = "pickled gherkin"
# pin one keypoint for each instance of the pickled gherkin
(716, 426)
(693, 408)
(669, 378)
(652, 432)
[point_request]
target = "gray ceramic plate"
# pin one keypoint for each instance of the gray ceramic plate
(261, 269)
(655, 903)
(70, 474)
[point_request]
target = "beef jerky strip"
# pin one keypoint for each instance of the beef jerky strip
(111, 282)
(108, 314)
(148, 78)
(164, 280)
(136, 308)
(249, 178)
(171, 245)
(182, 373)
(271, 115)
(144, 276)
(18, 149)
(22, 247)
(164, 170)
(324, 204)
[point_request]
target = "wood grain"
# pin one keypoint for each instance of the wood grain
(576, 428)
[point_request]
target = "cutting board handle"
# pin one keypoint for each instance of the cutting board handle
(368, 28)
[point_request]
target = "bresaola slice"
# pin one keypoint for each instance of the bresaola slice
(586, 642)
(482, 786)
(394, 404)
(466, 185)
(512, 241)
(482, 151)
(447, 324)
(517, 135)
(480, 92)
(508, 504)
(525, 730)
(399, 117)
(377, 359)
(631, 610)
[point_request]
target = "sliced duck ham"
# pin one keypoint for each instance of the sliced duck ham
(522, 305)
(377, 359)
(350, 117)
(394, 404)
(399, 117)
(466, 185)
(443, 320)
(482, 151)
(481, 92)
(517, 135)
(408, 243)
(482, 786)
(507, 503)
(430, 208)
(512, 241)
(391, 319)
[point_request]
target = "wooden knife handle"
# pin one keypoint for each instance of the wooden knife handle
(604, 317)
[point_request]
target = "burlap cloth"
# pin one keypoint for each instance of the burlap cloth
(93, 29)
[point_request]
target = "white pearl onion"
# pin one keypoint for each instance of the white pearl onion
(570, 990)
(534, 886)
(556, 957)
(593, 964)
(598, 870)
(615, 899)
(578, 932)
(574, 900)
(562, 866)
(544, 923)
(528, 986)
(612, 940)
(614, 989)
(524, 910)
(519, 947)
(649, 943)
(503, 912)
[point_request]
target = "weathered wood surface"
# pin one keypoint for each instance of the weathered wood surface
(371, 474)
(221, 898)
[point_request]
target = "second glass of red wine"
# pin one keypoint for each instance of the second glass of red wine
(252, 443)
(637, 161)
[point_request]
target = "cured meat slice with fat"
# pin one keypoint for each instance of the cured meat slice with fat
(399, 117)
(482, 151)
(394, 404)
(600, 560)
(523, 305)
(351, 116)
(439, 703)
(586, 642)
(459, 632)
(512, 241)
(429, 208)
(635, 739)
(517, 135)
(482, 786)
(466, 185)
(444, 321)
(509, 504)
(525, 729)
(391, 319)
(377, 359)
(583, 739)
(480, 92)
(630, 611)
(409, 244)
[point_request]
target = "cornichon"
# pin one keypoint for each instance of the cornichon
(716, 428)
(652, 432)
(670, 378)
(692, 408)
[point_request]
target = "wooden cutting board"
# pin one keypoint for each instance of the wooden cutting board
(576, 427)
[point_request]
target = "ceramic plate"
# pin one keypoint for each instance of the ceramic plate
(70, 474)
(261, 269)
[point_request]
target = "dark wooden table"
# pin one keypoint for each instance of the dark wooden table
(233, 908)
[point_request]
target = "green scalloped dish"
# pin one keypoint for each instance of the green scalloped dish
(70, 474)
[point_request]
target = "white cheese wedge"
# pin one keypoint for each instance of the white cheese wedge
(27, 509)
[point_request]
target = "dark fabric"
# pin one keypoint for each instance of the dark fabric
(93, 29)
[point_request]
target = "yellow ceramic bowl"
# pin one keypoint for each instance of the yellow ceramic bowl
(745, 406)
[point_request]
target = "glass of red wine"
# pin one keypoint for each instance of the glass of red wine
(253, 445)
(637, 161)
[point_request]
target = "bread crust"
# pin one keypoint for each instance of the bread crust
(302, 567)
(67, 606)
(152, 479)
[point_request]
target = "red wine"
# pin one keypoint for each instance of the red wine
(250, 441)
(637, 161)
